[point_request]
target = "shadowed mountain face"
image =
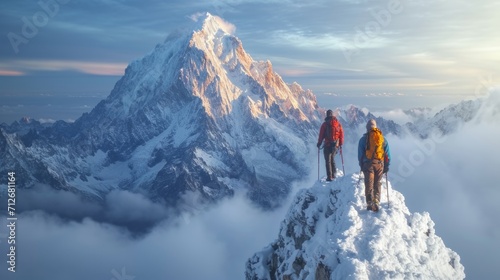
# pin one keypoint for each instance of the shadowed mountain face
(197, 114)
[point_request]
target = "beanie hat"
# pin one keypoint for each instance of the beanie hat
(371, 124)
(329, 113)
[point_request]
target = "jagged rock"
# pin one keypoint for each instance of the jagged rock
(197, 114)
(328, 234)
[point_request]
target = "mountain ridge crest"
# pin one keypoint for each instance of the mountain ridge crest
(328, 234)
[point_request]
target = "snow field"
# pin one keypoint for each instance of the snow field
(328, 225)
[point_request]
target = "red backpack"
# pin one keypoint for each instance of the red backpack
(333, 129)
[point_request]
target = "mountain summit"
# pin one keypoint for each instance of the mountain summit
(329, 234)
(196, 115)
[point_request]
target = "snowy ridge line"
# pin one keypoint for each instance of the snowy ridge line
(328, 234)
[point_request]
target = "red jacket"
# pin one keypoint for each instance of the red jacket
(338, 133)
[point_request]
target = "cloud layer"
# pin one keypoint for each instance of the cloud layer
(454, 179)
(210, 245)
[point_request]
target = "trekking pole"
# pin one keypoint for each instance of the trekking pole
(342, 157)
(387, 184)
(318, 163)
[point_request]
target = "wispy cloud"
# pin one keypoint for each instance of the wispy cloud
(299, 39)
(211, 245)
(444, 43)
(95, 68)
(4, 72)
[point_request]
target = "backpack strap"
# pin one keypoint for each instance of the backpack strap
(367, 143)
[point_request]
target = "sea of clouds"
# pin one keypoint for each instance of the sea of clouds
(454, 179)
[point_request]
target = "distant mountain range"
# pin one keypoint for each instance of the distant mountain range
(196, 115)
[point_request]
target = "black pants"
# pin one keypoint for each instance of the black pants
(330, 150)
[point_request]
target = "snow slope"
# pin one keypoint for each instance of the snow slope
(195, 115)
(329, 234)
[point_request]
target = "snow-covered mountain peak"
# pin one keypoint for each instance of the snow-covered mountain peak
(209, 31)
(197, 114)
(210, 24)
(210, 63)
(328, 234)
(225, 77)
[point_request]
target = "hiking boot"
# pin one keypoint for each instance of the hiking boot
(369, 206)
(329, 179)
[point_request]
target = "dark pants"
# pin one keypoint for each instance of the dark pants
(329, 151)
(373, 171)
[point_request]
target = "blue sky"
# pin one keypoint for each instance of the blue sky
(63, 56)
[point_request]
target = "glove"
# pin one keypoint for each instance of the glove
(318, 145)
(386, 168)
